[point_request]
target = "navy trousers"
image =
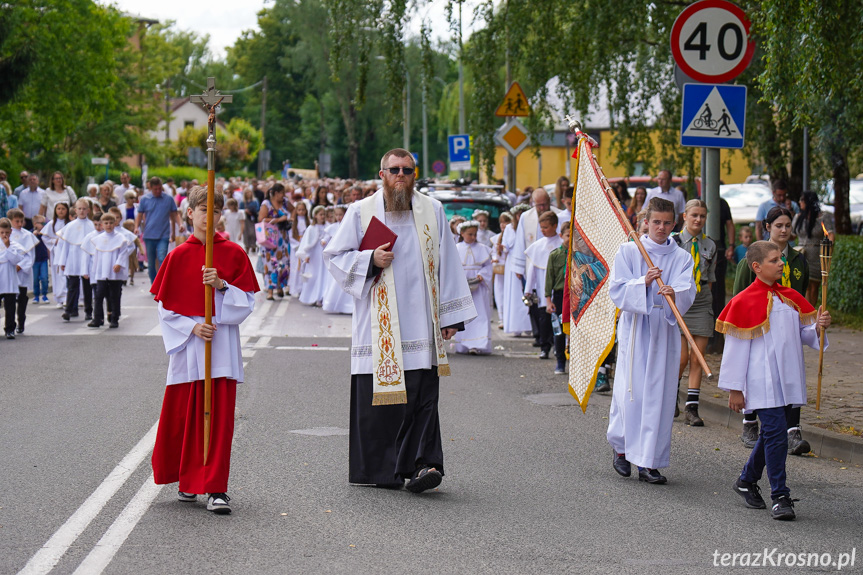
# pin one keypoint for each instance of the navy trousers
(770, 451)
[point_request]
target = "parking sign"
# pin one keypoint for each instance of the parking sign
(459, 152)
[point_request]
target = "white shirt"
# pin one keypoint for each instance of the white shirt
(107, 250)
(9, 258)
(673, 195)
(186, 350)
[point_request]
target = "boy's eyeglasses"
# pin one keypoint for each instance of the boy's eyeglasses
(405, 171)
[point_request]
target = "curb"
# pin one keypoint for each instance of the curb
(825, 443)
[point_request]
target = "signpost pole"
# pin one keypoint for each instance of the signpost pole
(712, 193)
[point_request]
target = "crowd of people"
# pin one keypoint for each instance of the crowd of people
(85, 249)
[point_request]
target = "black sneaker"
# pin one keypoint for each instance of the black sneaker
(424, 479)
(602, 383)
(691, 416)
(66, 316)
(88, 317)
(783, 508)
(113, 325)
(218, 503)
(10, 335)
(751, 493)
(750, 434)
(186, 497)
(543, 355)
(796, 444)
(94, 324)
(20, 330)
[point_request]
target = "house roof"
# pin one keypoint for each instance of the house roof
(177, 103)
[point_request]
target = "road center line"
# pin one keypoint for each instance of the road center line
(102, 554)
(50, 554)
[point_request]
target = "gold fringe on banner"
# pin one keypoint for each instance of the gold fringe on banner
(390, 398)
(443, 370)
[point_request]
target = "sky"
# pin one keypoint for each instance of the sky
(225, 20)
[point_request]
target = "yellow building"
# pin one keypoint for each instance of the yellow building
(555, 160)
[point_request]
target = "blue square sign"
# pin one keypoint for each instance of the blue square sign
(714, 116)
(459, 152)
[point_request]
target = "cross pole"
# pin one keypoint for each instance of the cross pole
(210, 100)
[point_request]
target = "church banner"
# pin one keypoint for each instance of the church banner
(597, 232)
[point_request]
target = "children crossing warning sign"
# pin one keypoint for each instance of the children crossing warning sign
(714, 116)
(514, 103)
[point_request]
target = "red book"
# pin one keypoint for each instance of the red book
(378, 234)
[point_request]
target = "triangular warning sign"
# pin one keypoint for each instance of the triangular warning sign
(514, 103)
(713, 120)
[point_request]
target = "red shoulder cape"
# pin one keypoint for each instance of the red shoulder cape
(747, 315)
(178, 284)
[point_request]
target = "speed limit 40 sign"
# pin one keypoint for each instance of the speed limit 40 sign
(710, 41)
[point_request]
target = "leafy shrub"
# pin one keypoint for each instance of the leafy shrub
(845, 284)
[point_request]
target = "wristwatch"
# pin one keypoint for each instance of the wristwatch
(224, 287)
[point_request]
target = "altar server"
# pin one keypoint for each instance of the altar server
(75, 262)
(645, 386)
(11, 254)
(179, 289)
(109, 253)
(536, 261)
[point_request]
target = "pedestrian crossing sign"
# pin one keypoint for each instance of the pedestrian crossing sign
(714, 116)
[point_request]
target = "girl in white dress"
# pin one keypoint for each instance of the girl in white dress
(311, 255)
(476, 261)
(50, 238)
(498, 260)
(299, 223)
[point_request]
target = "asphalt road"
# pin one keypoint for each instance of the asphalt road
(529, 485)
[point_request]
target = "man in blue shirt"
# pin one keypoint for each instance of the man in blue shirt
(156, 212)
(780, 198)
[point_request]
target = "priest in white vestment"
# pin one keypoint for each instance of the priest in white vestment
(648, 344)
(409, 297)
(476, 261)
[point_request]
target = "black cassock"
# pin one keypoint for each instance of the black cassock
(388, 443)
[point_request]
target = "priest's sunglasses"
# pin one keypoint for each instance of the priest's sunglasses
(405, 171)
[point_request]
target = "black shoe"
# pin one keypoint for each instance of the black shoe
(536, 344)
(20, 329)
(88, 317)
(543, 355)
(751, 493)
(783, 508)
(691, 416)
(677, 409)
(218, 503)
(602, 383)
(113, 325)
(94, 324)
(796, 444)
(651, 476)
(10, 335)
(424, 479)
(65, 316)
(621, 465)
(750, 434)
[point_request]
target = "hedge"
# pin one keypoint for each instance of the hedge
(845, 284)
(177, 172)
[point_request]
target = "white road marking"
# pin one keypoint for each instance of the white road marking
(283, 308)
(116, 535)
(310, 348)
(50, 554)
(263, 342)
(248, 353)
(156, 330)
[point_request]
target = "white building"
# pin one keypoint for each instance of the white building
(183, 113)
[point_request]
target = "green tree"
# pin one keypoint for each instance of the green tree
(813, 73)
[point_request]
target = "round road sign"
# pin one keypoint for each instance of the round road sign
(710, 41)
(438, 167)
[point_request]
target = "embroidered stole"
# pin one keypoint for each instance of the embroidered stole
(387, 362)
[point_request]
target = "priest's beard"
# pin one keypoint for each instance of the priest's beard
(398, 197)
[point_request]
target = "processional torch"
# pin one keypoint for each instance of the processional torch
(210, 100)
(826, 258)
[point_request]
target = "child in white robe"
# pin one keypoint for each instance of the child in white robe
(336, 300)
(75, 263)
(765, 327)
(648, 350)
(311, 255)
(498, 260)
(109, 252)
(233, 219)
(476, 261)
(299, 223)
(11, 254)
(28, 242)
(51, 240)
(483, 234)
(536, 260)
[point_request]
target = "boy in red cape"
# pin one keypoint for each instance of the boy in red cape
(179, 289)
(765, 327)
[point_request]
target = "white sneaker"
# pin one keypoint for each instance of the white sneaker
(186, 497)
(218, 503)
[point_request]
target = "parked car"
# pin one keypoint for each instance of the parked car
(463, 200)
(855, 201)
(744, 199)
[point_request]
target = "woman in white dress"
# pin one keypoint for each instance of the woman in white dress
(498, 260)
